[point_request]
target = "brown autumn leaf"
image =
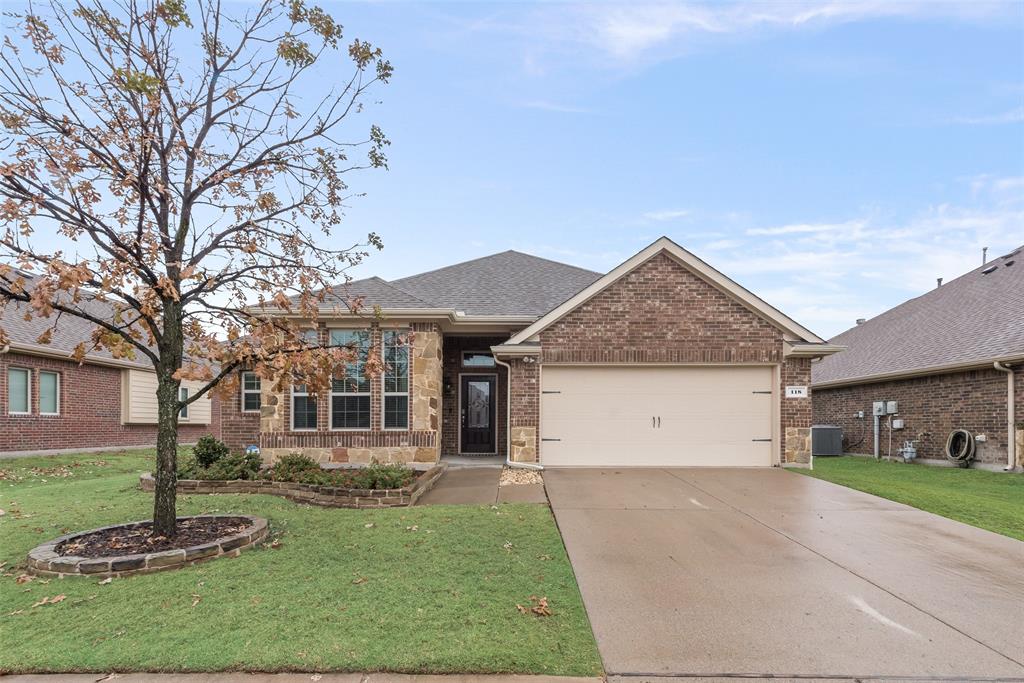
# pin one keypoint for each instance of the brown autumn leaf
(24, 578)
(50, 601)
(196, 599)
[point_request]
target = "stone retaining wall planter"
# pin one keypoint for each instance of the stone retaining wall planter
(327, 496)
(44, 560)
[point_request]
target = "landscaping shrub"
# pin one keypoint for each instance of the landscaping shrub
(304, 470)
(231, 466)
(209, 450)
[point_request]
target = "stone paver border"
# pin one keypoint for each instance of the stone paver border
(327, 496)
(43, 560)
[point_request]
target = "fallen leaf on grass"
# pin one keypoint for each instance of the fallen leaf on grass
(275, 544)
(24, 578)
(50, 601)
(539, 607)
(368, 526)
(359, 580)
(105, 581)
(196, 599)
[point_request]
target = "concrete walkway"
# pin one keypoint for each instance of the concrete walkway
(479, 486)
(751, 573)
(241, 677)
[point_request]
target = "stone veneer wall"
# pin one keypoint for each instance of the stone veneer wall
(421, 443)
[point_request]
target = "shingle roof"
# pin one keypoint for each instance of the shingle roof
(977, 317)
(374, 292)
(68, 333)
(509, 283)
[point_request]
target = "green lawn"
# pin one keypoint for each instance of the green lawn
(426, 589)
(989, 500)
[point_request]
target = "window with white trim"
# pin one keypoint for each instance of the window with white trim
(350, 394)
(250, 392)
(396, 380)
(49, 393)
(19, 389)
(303, 408)
(183, 396)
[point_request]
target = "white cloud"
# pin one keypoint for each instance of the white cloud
(631, 33)
(666, 215)
(1012, 116)
(801, 228)
(544, 105)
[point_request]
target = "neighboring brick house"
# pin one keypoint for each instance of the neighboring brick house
(50, 403)
(952, 358)
(662, 361)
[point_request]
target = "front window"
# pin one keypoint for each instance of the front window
(250, 392)
(477, 359)
(183, 396)
(350, 393)
(49, 393)
(19, 384)
(396, 380)
(303, 408)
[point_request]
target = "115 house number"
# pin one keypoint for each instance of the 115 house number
(796, 392)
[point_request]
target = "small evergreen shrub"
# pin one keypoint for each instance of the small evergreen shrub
(302, 469)
(229, 467)
(209, 450)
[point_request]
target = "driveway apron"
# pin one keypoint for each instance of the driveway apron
(711, 572)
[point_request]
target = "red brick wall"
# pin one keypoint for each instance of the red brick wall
(90, 411)
(238, 428)
(935, 405)
(661, 312)
(450, 422)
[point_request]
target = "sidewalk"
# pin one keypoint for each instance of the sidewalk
(241, 677)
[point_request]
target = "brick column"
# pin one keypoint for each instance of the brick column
(796, 412)
(524, 410)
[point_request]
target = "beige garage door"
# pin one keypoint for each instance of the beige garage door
(656, 416)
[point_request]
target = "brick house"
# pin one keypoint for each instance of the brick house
(952, 358)
(662, 361)
(50, 403)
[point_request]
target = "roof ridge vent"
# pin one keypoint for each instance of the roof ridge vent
(990, 269)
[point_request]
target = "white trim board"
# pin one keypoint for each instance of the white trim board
(691, 263)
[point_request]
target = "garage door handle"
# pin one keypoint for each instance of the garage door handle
(760, 439)
(761, 392)
(659, 422)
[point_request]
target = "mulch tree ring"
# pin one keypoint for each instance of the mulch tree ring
(123, 549)
(134, 539)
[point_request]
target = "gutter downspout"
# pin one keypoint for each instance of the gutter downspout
(1011, 436)
(508, 422)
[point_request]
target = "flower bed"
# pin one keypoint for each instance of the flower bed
(110, 550)
(327, 495)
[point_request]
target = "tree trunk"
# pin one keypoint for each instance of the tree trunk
(165, 514)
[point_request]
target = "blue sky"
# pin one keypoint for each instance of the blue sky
(834, 158)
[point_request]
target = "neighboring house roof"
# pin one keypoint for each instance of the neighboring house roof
(815, 344)
(973, 320)
(507, 284)
(69, 332)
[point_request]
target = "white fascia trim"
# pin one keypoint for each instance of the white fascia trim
(798, 350)
(515, 350)
(47, 352)
(981, 364)
(449, 314)
(693, 263)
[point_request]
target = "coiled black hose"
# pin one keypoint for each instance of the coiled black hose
(960, 447)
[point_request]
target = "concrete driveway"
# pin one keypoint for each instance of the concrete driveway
(711, 572)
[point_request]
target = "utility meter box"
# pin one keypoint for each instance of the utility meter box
(878, 408)
(891, 407)
(897, 423)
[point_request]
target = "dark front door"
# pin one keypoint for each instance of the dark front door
(477, 404)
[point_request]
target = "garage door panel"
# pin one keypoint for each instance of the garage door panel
(609, 416)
